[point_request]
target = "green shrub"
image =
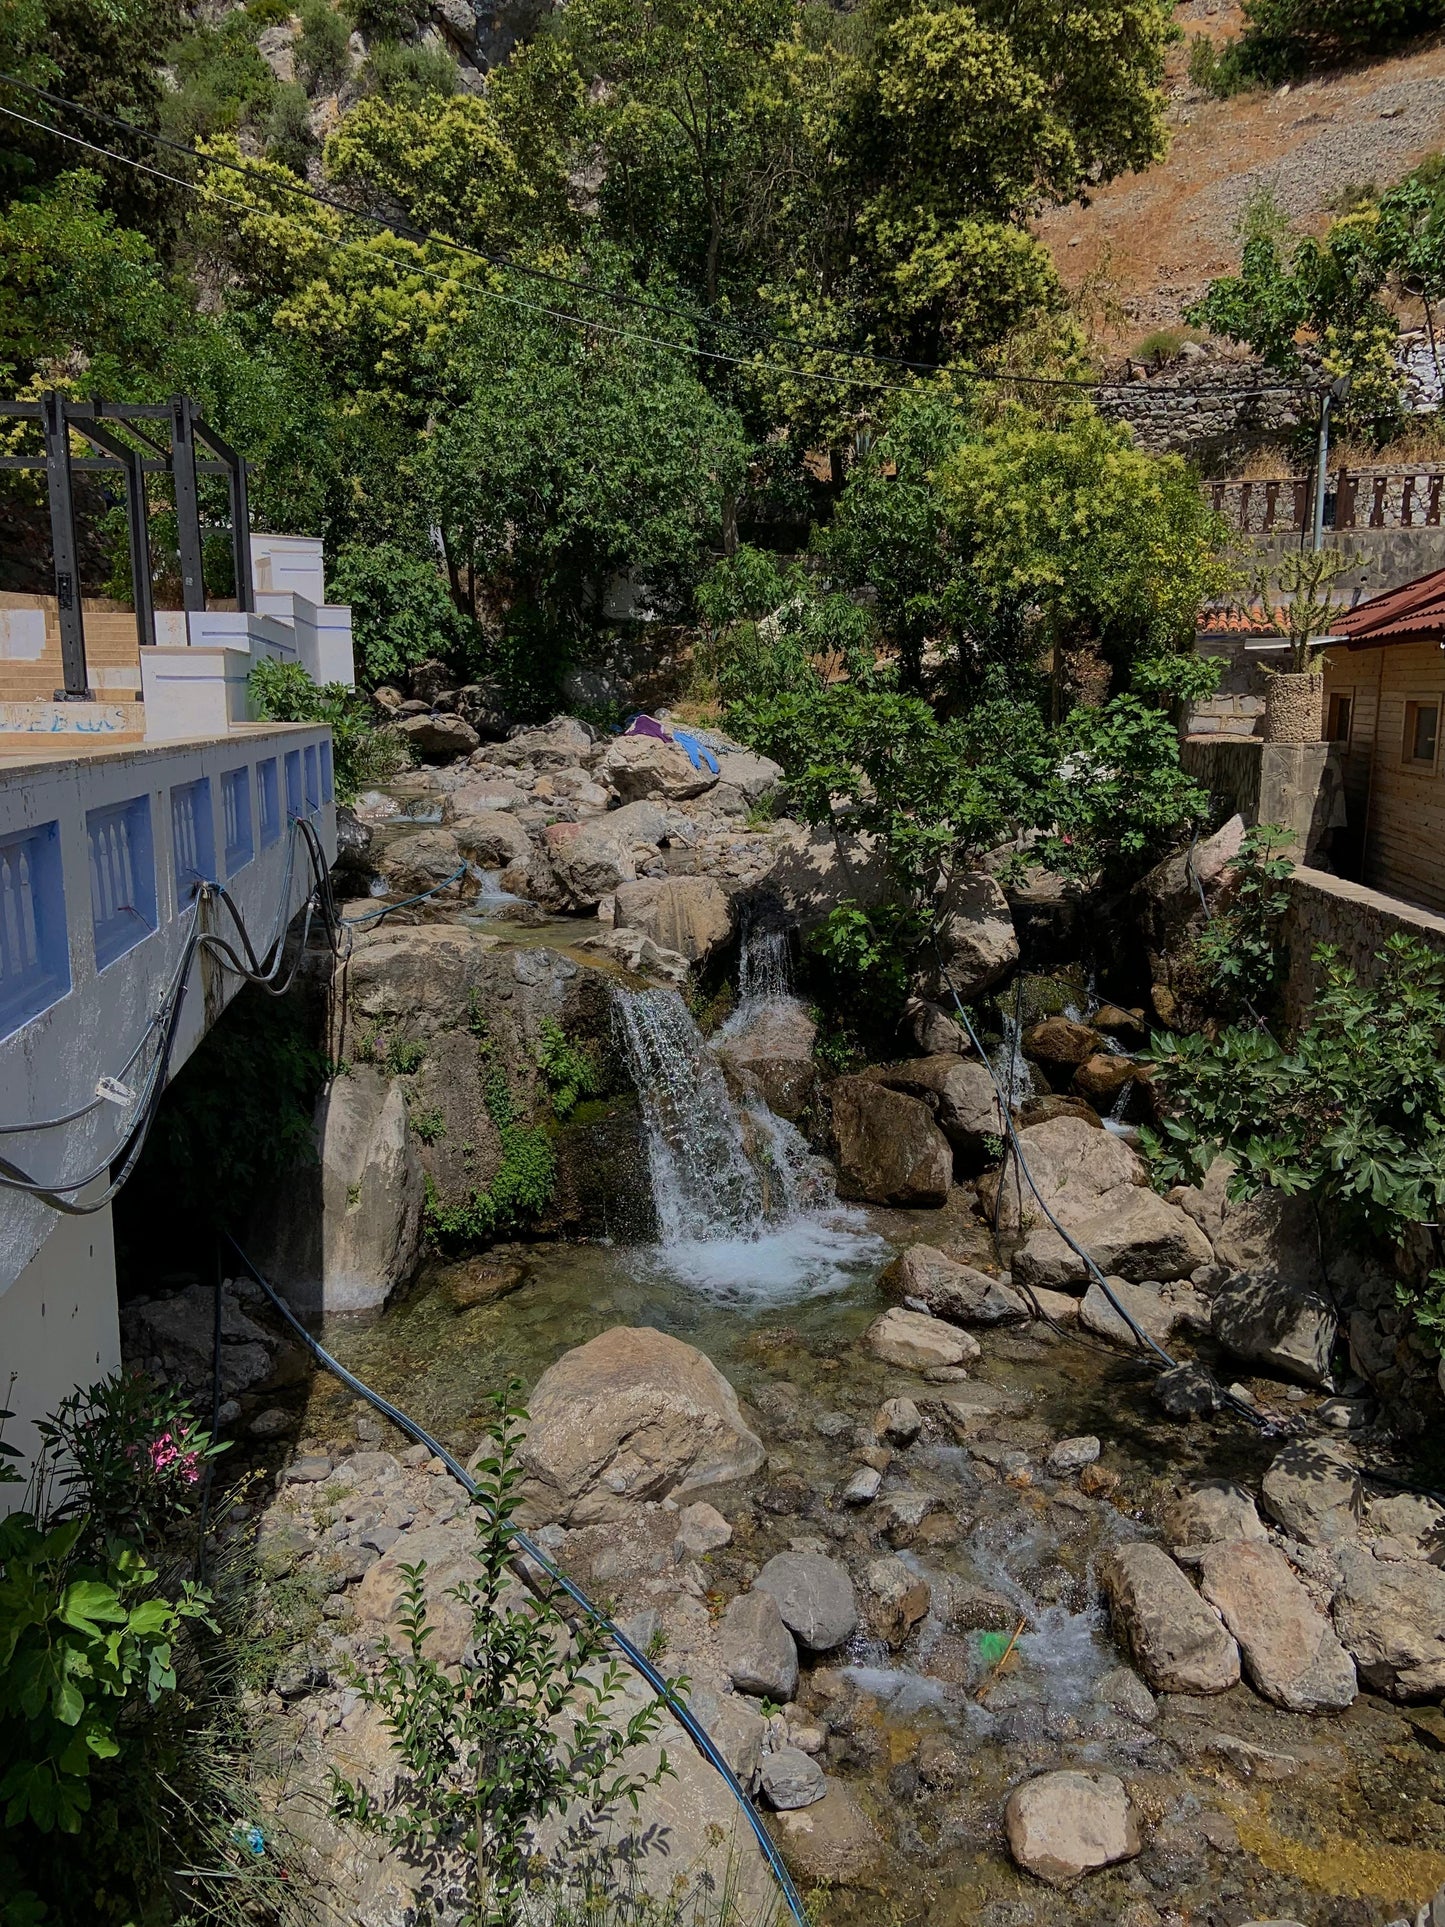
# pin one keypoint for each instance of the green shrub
(409, 72)
(1240, 947)
(523, 1186)
(222, 83)
(323, 58)
(1283, 37)
(361, 754)
(269, 13)
(570, 1070)
(288, 135)
(401, 614)
(386, 19)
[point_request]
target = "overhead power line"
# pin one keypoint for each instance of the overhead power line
(419, 236)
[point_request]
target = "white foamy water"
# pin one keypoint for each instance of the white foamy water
(745, 1210)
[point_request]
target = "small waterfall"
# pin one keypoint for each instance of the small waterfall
(744, 1208)
(765, 969)
(1012, 1069)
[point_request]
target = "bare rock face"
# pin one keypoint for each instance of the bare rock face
(1178, 1643)
(691, 915)
(1276, 1324)
(951, 1290)
(1314, 1494)
(417, 860)
(814, 1595)
(758, 1649)
(898, 1598)
(1290, 1651)
(833, 1842)
(976, 939)
(641, 766)
(1215, 1509)
(1062, 1825)
(959, 1091)
(1134, 1234)
(1075, 1166)
(632, 1415)
(371, 1190)
(437, 739)
(770, 1055)
(1158, 1311)
(889, 1150)
(1391, 1617)
(915, 1342)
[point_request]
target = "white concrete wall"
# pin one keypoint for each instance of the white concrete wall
(58, 1328)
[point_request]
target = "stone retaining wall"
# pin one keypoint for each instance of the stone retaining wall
(1328, 909)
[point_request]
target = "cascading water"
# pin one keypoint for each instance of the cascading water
(744, 1208)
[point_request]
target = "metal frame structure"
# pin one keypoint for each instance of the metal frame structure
(58, 416)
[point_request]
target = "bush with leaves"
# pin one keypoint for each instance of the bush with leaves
(1239, 947)
(401, 614)
(361, 753)
(1350, 1111)
(523, 1730)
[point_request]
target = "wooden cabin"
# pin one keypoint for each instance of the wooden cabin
(1385, 709)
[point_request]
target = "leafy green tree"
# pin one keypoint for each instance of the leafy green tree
(401, 614)
(224, 84)
(362, 754)
(1284, 37)
(323, 60)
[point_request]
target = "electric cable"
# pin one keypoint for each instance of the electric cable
(679, 1709)
(429, 236)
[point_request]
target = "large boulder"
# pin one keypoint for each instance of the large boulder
(1290, 1651)
(596, 857)
(959, 1091)
(815, 1597)
(1314, 1493)
(449, 1554)
(767, 1052)
(1062, 1825)
(1076, 1168)
(915, 1342)
(372, 1190)
(491, 838)
(1134, 1234)
(1272, 1236)
(411, 861)
(1391, 1617)
(1178, 1642)
(833, 1843)
(179, 1332)
(1275, 1324)
(976, 941)
(752, 776)
(1214, 1509)
(889, 1150)
(438, 739)
(691, 915)
(556, 745)
(633, 1415)
(951, 1290)
(1158, 1312)
(643, 766)
(814, 870)
(1059, 1046)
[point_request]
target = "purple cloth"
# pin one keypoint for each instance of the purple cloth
(646, 726)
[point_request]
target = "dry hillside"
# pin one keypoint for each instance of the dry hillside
(1150, 242)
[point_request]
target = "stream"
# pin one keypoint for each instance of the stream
(1335, 1821)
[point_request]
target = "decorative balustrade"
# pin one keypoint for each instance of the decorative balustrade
(1366, 498)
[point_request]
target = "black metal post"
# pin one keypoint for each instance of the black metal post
(64, 548)
(188, 506)
(240, 514)
(138, 525)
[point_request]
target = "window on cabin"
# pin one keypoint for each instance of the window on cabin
(1342, 709)
(1422, 733)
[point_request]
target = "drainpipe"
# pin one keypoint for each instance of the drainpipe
(1338, 390)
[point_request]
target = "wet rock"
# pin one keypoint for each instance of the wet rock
(483, 1280)
(770, 1055)
(372, 1191)
(898, 1421)
(966, 1409)
(1062, 1825)
(976, 939)
(791, 1780)
(1187, 1391)
(1391, 1618)
(951, 1290)
(1056, 1307)
(645, 766)
(1253, 1762)
(632, 1415)
(1122, 1691)
(915, 1342)
(490, 838)
(757, 1648)
(1071, 1455)
(814, 1595)
(1289, 1648)
(1177, 1641)
(933, 1028)
(961, 1094)
(833, 1842)
(1314, 1493)
(1127, 1025)
(1060, 1046)
(1272, 1323)
(898, 1598)
(889, 1150)
(1213, 1510)
(640, 955)
(437, 739)
(701, 1529)
(972, 1608)
(1043, 1110)
(1158, 1313)
(1101, 1078)
(691, 915)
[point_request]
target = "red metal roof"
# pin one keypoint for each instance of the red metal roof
(1414, 613)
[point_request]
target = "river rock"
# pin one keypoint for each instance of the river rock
(898, 1598)
(791, 1779)
(633, 1415)
(1078, 1168)
(691, 915)
(372, 1190)
(1071, 1455)
(1391, 1617)
(1272, 1236)
(1101, 1077)
(1213, 1510)
(770, 1055)
(1044, 1109)
(976, 939)
(934, 1029)
(1060, 1046)
(898, 1422)
(814, 1596)
(449, 1554)
(412, 861)
(757, 1648)
(889, 1150)
(1062, 1825)
(959, 1091)
(643, 766)
(1122, 1691)
(1177, 1641)
(1275, 1324)
(1314, 1493)
(701, 1529)
(915, 1342)
(952, 1290)
(1157, 1312)
(1289, 1648)
(437, 739)
(833, 1843)
(491, 838)
(816, 870)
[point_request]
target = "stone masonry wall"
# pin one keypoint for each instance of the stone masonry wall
(1327, 909)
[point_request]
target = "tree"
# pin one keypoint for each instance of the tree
(401, 614)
